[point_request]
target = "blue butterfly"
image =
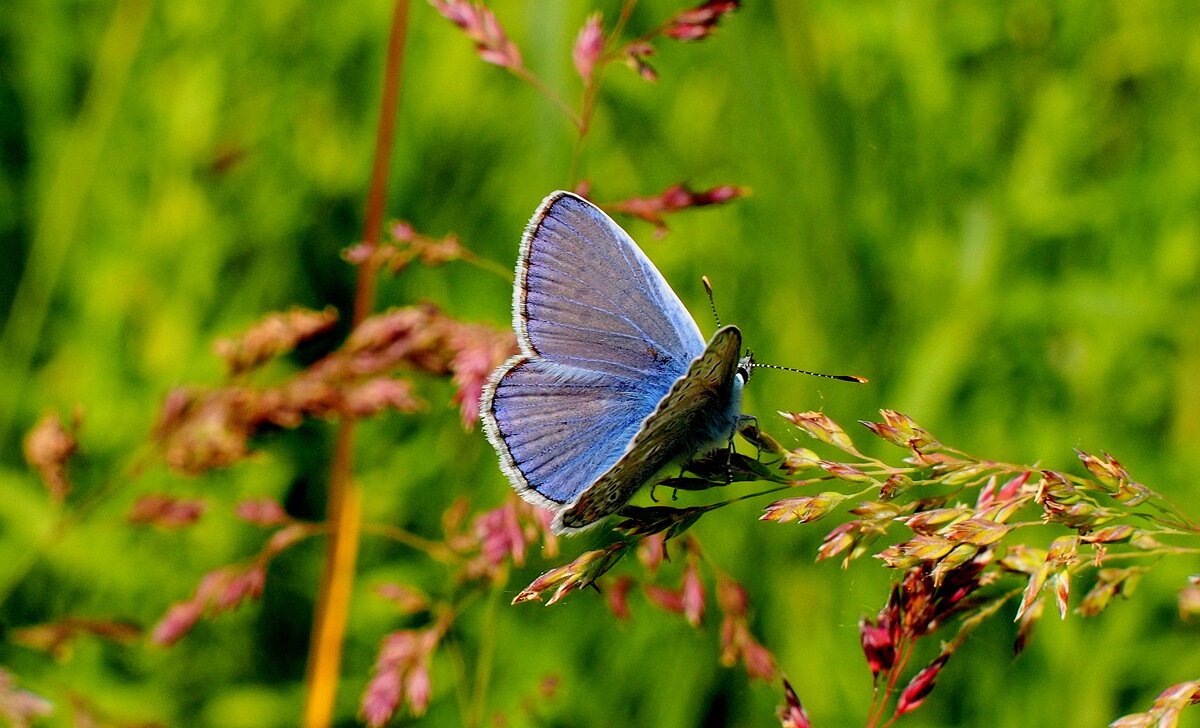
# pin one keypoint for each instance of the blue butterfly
(614, 380)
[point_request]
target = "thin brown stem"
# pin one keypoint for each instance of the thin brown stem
(345, 499)
(483, 665)
(905, 654)
(623, 18)
(434, 549)
(1170, 551)
(489, 265)
(591, 89)
(587, 107)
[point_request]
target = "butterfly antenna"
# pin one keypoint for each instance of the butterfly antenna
(839, 377)
(711, 304)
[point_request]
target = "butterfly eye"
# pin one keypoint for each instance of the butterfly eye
(744, 367)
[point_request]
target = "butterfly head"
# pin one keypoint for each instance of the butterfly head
(745, 366)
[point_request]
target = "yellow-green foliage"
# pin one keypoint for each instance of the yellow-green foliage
(991, 210)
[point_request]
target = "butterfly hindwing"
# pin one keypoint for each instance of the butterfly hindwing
(557, 428)
(700, 410)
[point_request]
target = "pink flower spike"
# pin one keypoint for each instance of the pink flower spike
(652, 551)
(382, 697)
(477, 351)
(692, 594)
(263, 512)
(273, 336)
(709, 12)
(733, 632)
(636, 55)
(500, 535)
(246, 585)
(456, 11)
(668, 599)
(588, 47)
(21, 707)
(212, 584)
(732, 598)
(401, 674)
(403, 232)
(418, 687)
(760, 663)
(877, 646)
(700, 22)
(792, 713)
(376, 395)
(481, 26)
(986, 494)
(921, 685)
(1014, 486)
(48, 446)
(617, 597)
(673, 199)
(163, 511)
(176, 623)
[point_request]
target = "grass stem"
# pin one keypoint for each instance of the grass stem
(345, 498)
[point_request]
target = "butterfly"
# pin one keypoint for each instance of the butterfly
(613, 380)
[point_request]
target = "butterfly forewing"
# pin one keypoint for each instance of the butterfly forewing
(586, 296)
(701, 407)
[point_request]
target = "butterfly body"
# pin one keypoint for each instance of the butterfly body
(613, 382)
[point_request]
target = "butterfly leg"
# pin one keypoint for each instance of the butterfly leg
(729, 450)
(744, 422)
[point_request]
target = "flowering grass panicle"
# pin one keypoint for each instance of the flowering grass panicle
(58, 638)
(965, 535)
(792, 713)
(674, 199)
(480, 25)
(48, 447)
(165, 511)
(1166, 709)
(401, 674)
(589, 45)
(699, 22)
(19, 707)
(200, 429)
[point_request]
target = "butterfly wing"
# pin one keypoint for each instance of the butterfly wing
(603, 338)
(700, 410)
(587, 296)
(557, 429)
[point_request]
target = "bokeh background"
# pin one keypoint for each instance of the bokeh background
(992, 210)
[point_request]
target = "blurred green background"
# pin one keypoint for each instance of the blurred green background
(992, 210)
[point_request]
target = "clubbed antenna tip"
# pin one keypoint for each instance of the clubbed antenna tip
(711, 304)
(839, 377)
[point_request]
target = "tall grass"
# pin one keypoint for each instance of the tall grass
(990, 211)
